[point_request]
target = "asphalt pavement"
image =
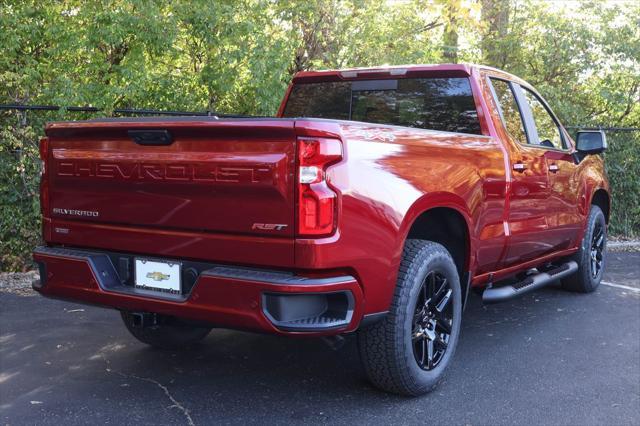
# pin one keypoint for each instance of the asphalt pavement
(551, 357)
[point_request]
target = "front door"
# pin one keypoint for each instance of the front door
(564, 217)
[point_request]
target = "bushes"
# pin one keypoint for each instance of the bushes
(622, 160)
(19, 186)
(20, 168)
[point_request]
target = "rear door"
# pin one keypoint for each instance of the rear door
(529, 190)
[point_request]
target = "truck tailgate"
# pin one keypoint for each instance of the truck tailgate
(215, 176)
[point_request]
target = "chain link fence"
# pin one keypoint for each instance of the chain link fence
(21, 128)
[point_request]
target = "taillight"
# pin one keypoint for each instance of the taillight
(44, 187)
(317, 201)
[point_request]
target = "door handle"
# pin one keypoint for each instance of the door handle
(519, 167)
(553, 168)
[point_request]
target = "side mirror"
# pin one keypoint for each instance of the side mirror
(591, 142)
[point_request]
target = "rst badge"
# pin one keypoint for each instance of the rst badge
(269, 227)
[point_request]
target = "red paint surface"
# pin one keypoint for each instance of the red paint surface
(223, 301)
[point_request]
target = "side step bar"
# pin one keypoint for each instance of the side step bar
(531, 283)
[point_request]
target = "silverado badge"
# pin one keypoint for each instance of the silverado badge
(157, 276)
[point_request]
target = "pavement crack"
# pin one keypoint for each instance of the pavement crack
(175, 402)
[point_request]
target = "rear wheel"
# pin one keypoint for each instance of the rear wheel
(163, 332)
(591, 256)
(408, 352)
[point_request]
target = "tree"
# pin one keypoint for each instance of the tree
(495, 41)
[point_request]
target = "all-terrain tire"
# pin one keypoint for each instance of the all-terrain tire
(387, 348)
(168, 333)
(591, 257)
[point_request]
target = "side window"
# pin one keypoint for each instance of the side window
(546, 127)
(509, 110)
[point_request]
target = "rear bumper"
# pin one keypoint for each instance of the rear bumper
(232, 297)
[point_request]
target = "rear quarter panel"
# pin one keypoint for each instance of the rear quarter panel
(388, 177)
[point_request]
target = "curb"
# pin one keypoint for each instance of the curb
(623, 245)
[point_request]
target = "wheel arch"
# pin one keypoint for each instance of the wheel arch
(602, 199)
(445, 221)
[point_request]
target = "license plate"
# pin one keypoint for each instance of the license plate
(158, 276)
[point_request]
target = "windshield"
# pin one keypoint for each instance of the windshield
(444, 104)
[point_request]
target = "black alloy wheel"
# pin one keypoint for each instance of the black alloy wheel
(432, 321)
(597, 249)
(592, 255)
(408, 351)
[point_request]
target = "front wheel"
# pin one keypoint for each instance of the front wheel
(408, 352)
(591, 256)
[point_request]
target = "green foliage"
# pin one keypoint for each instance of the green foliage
(239, 55)
(623, 167)
(592, 54)
(19, 204)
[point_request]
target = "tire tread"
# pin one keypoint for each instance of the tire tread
(381, 347)
(582, 281)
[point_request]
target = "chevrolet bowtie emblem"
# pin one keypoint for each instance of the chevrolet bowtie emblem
(157, 276)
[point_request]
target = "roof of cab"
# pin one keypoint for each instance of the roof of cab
(394, 71)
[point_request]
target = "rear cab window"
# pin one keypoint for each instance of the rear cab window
(444, 104)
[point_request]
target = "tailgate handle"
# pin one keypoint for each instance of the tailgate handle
(151, 137)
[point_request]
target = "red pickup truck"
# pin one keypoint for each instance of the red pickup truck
(372, 203)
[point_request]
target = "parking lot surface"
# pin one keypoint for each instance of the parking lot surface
(551, 357)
